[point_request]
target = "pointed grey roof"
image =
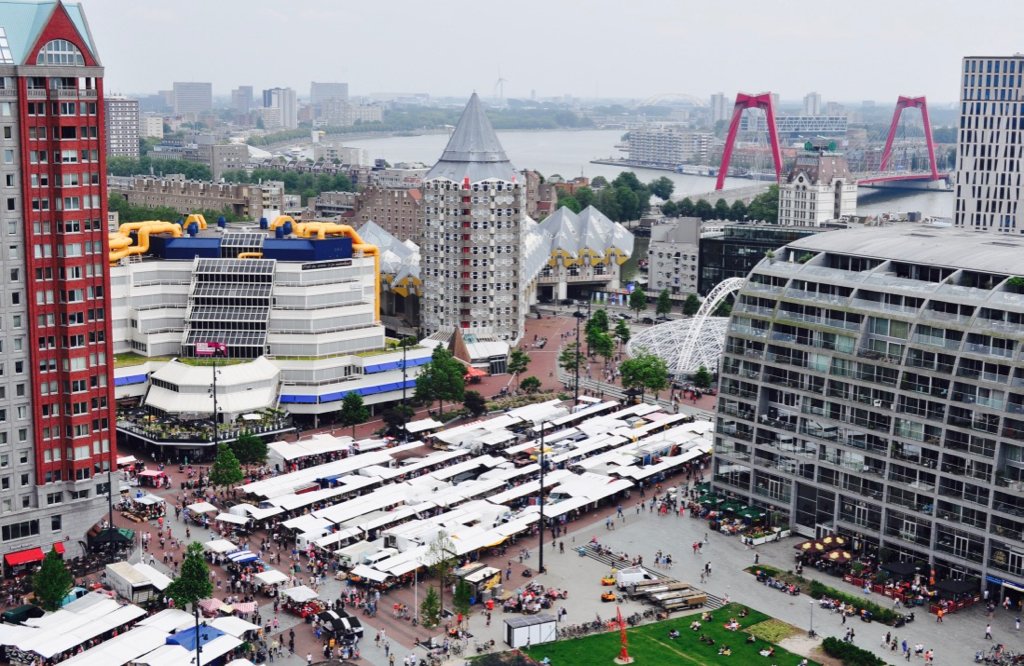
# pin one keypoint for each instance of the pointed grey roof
(473, 150)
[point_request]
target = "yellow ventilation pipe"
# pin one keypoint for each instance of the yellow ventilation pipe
(281, 219)
(144, 232)
(198, 218)
(250, 255)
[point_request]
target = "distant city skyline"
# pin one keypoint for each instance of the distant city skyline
(872, 51)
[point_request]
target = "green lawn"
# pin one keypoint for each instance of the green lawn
(650, 644)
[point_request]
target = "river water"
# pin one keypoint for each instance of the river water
(568, 153)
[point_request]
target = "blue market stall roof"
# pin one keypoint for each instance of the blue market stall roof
(187, 637)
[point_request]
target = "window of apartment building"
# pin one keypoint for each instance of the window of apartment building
(54, 498)
(55, 523)
(19, 530)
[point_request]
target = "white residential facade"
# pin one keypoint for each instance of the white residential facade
(988, 172)
(819, 188)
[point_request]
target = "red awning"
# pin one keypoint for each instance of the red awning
(24, 556)
(475, 372)
(151, 472)
(59, 547)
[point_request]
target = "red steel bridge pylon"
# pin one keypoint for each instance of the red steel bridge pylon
(744, 102)
(914, 103)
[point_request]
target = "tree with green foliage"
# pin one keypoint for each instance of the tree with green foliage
(724, 308)
(530, 385)
(353, 411)
(685, 208)
(430, 608)
(461, 599)
(722, 210)
(629, 204)
(570, 358)
(646, 372)
(597, 182)
(396, 416)
(441, 559)
(570, 202)
(703, 210)
(702, 378)
(475, 403)
(585, 196)
(691, 305)
(443, 378)
(126, 166)
(304, 183)
(608, 203)
(738, 210)
(226, 470)
(598, 320)
(193, 583)
(638, 300)
(604, 346)
(664, 304)
(518, 362)
(622, 332)
(765, 206)
(662, 188)
(52, 582)
(669, 209)
(249, 449)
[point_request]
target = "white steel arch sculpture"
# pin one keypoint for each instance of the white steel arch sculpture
(687, 344)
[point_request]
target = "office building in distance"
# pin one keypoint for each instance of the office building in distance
(668, 145)
(121, 118)
(56, 379)
(192, 98)
(987, 183)
(870, 386)
(284, 101)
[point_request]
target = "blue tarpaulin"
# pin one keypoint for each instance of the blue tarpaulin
(187, 637)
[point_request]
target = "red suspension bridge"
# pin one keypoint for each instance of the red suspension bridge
(886, 174)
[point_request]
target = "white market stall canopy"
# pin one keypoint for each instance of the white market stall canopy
(231, 518)
(272, 577)
(201, 507)
(219, 546)
(299, 594)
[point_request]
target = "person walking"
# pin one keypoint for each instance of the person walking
(938, 616)
(988, 632)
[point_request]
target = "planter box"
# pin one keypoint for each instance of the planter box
(771, 537)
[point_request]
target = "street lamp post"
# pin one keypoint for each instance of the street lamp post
(540, 502)
(811, 632)
(579, 348)
(405, 422)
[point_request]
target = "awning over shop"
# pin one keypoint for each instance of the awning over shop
(232, 518)
(26, 556)
(369, 573)
(299, 594)
(271, 577)
(59, 547)
(201, 507)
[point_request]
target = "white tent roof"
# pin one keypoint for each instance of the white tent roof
(272, 577)
(315, 445)
(422, 424)
(157, 578)
(201, 507)
(219, 546)
(299, 594)
(234, 625)
(256, 512)
(231, 518)
(307, 523)
(122, 649)
(168, 620)
(369, 573)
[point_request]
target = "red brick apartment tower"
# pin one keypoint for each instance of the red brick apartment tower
(56, 374)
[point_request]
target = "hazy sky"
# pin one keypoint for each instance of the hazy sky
(847, 51)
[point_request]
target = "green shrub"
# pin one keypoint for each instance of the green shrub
(878, 613)
(849, 654)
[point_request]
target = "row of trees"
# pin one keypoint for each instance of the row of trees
(622, 200)
(308, 185)
(763, 207)
(145, 165)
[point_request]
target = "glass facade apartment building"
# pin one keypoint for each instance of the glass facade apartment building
(871, 385)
